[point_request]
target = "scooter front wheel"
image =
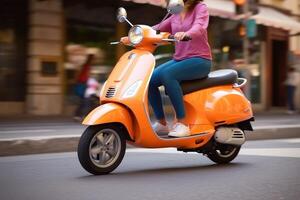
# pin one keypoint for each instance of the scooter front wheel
(101, 148)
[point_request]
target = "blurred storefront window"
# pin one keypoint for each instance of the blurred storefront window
(227, 49)
(13, 40)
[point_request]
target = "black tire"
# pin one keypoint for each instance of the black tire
(223, 153)
(90, 137)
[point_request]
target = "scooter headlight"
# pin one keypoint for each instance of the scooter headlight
(135, 35)
(131, 91)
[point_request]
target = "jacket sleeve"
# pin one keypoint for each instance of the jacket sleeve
(201, 21)
(164, 26)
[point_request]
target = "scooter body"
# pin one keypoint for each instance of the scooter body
(205, 109)
(217, 114)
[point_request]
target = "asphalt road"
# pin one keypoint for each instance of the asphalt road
(263, 170)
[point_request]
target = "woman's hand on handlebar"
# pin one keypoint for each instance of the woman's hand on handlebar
(179, 36)
(182, 36)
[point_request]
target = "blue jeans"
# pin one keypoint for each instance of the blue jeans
(170, 74)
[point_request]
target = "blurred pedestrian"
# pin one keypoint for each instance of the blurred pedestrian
(91, 97)
(81, 86)
(292, 81)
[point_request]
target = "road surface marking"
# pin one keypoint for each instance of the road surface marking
(28, 131)
(293, 141)
(48, 137)
(160, 150)
(282, 126)
(277, 152)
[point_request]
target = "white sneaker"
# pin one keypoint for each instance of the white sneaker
(159, 128)
(179, 130)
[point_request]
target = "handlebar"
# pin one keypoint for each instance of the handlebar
(114, 43)
(185, 39)
(170, 38)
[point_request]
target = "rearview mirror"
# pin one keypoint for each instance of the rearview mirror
(122, 14)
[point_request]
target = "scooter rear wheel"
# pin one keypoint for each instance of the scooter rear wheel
(223, 153)
(101, 148)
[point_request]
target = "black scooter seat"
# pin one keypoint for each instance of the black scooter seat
(215, 78)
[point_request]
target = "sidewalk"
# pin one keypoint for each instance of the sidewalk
(27, 135)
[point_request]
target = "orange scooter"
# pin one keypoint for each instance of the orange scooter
(217, 111)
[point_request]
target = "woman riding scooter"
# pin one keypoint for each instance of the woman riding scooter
(192, 60)
(217, 112)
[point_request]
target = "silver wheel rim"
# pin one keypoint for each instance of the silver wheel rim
(227, 154)
(105, 148)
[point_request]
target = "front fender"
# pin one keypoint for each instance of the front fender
(110, 113)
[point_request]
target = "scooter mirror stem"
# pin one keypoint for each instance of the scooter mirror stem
(158, 28)
(173, 7)
(128, 22)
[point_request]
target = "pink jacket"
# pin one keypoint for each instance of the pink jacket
(195, 25)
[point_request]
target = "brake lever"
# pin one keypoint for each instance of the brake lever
(186, 38)
(170, 40)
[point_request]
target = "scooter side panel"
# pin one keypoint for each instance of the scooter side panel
(133, 66)
(136, 65)
(227, 105)
(211, 107)
(110, 113)
(195, 113)
(124, 76)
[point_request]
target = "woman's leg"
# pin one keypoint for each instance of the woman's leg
(172, 75)
(154, 94)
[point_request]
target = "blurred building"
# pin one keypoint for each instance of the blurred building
(290, 8)
(270, 49)
(37, 79)
(35, 74)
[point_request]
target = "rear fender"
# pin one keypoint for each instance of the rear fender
(227, 105)
(110, 113)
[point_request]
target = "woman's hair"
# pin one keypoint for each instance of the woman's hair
(191, 3)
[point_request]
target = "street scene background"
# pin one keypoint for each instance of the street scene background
(45, 46)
